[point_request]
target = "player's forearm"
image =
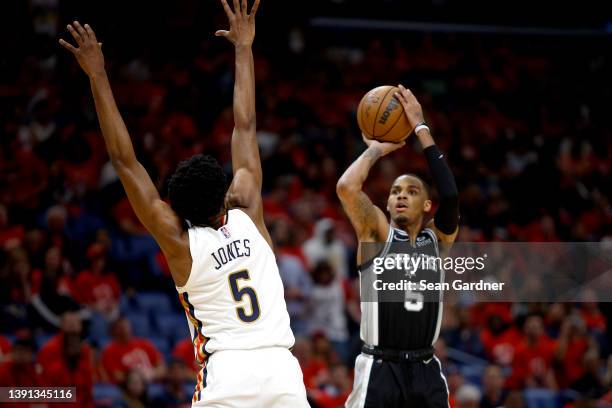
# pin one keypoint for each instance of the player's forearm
(357, 173)
(244, 89)
(447, 216)
(116, 136)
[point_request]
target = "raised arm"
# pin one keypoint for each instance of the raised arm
(157, 216)
(245, 190)
(369, 222)
(446, 220)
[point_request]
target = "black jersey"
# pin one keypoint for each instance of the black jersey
(412, 324)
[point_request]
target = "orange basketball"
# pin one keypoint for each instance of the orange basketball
(381, 116)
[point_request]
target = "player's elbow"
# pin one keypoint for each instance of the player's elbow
(246, 125)
(345, 189)
(118, 162)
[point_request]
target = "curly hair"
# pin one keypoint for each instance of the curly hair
(197, 189)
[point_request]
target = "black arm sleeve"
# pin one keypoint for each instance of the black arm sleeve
(447, 216)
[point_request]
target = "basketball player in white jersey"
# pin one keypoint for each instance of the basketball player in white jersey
(214, 239)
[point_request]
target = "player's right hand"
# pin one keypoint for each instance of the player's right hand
(89, 51)
(242, 24)
(384, 147)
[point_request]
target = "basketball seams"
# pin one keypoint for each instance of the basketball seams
(378, 111)
(396, 120)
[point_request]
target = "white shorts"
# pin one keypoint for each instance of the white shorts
(260, 378)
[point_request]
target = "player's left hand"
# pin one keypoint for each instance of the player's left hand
(242, 24)
(89, 53)
(412, 107)
(383, 147)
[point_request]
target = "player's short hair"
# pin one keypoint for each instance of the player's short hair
(197, 189)
(425, 184)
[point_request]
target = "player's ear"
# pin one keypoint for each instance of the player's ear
(427, 206)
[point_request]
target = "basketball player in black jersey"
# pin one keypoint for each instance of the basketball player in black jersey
(397, 367)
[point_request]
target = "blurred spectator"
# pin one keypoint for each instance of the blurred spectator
(328, 308)
(183, 351)
(450, 370)
(298, 288)
(591, 382)
(57, 236)
(22, 185)
(313, 366)
(134, 390)
(468, 396)
(571, 349)
(51, 290)
(17, 275)
(532, 365)
(493, 392)
(460, 333)
(593, 318)
(334, 388)
(174, 395)
(500, 340)
(325, 246)
(71, 326)
(97, 287)
(126, 352)
(10, 235)
(21, 369)
(72, 367)
(5, 348)
(515, 399)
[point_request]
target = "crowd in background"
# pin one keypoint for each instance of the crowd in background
(523, 122)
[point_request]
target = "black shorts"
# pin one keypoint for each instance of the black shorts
(398, 384)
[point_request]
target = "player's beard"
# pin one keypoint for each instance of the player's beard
(401, 220)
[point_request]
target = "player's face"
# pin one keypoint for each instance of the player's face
(408, 200)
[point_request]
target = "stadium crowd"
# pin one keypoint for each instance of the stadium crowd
(85, 295)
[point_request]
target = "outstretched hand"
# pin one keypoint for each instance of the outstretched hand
(384, 147)
(89, 51)
(242, 23)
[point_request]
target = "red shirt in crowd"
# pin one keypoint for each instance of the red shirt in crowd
(184, 351)
(99, 291)
(11, 236)
(501, 348)
(5, 348)
(19, 375)
(325, 400)
(56, 373)
(594, 320)
(532, 360)
(572, 361)
(136, 353)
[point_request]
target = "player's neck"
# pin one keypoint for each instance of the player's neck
(219, 220)
(412, 229)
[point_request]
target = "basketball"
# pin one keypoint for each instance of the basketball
(381, 116)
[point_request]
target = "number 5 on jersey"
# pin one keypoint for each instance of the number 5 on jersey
(239, 293)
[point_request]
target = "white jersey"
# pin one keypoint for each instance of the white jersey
(234, 297)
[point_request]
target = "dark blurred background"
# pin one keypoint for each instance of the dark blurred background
(517, 93)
